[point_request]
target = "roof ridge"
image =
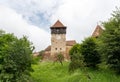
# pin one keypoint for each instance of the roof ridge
(58, 24)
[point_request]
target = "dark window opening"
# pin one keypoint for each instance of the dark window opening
(55, 48)
(60, 48)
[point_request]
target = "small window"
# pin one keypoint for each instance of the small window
(55, 48)
(60, 48)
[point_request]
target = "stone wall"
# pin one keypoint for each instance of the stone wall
(58, 44)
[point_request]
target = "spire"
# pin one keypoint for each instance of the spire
(58, 24)
(97, 31)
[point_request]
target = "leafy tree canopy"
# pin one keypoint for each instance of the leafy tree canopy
(89, 52)
(76, 58)
(15, 58)
(111, 41)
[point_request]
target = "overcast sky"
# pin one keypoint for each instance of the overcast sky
(33, 18)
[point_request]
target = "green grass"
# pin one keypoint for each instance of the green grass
(49, 72)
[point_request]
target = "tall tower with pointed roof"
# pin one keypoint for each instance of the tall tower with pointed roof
(58, 39)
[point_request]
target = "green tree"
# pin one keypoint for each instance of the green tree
(15, 58)
(90, 53)
(111, 41)
(58, 57)
(76, 58)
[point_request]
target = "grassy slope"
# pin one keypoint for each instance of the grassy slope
(49, 72)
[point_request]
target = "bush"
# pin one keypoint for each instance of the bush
(76, 58)
(111, 41)
(15, 58)
(90, 53)
(58, 57)
(76, 62)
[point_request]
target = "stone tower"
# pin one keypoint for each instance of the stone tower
(58, 39)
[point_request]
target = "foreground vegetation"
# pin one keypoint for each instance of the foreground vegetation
(49, 72)
(15, 58)
(101, 48)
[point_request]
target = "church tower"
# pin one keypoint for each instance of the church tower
(58, 39)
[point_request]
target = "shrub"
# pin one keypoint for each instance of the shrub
(111, 41)
(90, 53)
(15, 58)
(76, 58)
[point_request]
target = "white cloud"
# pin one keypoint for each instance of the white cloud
(13, 22)
(36, 12)
(80, 16)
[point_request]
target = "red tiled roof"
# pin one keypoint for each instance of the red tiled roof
(48, 48)
(70, 43)
(58, 24)
(97, 31)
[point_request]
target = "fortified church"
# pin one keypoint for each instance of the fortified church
(59, 43)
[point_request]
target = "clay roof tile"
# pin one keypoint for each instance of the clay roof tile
(70, 43)
(48, 48)
(58, 24)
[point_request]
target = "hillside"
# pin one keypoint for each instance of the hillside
(49, 72)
